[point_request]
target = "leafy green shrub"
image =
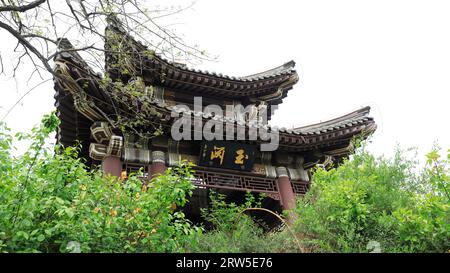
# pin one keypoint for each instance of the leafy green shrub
(369, 199)
(49, 202)
(235, 231)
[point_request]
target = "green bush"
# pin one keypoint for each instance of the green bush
(235, 231)
(50, 202)
(370, 201)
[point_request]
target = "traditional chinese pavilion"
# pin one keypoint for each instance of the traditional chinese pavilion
(91, 113)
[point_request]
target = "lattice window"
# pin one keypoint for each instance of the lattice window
(234, 181)
(134, 167)
(224, 179)
(300, 187)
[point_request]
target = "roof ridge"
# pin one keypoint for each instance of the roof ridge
(282, 68)
(357, 114)
(286, 68)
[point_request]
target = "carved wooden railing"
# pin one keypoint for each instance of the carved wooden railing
(232, 180)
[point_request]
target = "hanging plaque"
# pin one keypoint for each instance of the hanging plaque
(230, 155)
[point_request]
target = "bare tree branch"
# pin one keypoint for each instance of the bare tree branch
(28, 46)
(22, 8)
(39, 28)
(22, 97)
(2, 71)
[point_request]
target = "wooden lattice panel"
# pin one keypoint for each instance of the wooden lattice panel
(206, 178)
(234, 181)
(300, 187)
(134, 168)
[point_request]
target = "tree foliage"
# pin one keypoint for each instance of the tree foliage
(50, 202)
(370, 201)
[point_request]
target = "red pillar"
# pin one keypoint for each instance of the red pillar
(112, 165)
(158, 165)
(287, 195)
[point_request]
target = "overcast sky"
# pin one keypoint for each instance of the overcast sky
(392, 55)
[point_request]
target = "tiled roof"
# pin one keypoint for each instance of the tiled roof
(357, 117)
(284, 69)
(271, 85)
(326, 135)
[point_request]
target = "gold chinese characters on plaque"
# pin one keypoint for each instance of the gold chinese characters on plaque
(230, 155)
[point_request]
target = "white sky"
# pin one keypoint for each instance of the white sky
(392, 55)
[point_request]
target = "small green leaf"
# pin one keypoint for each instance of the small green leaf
(69, 212)
(23, 234)
(41, 238)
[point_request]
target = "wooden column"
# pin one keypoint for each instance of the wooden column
(112, 165)
(287, 196)
(158, 165)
